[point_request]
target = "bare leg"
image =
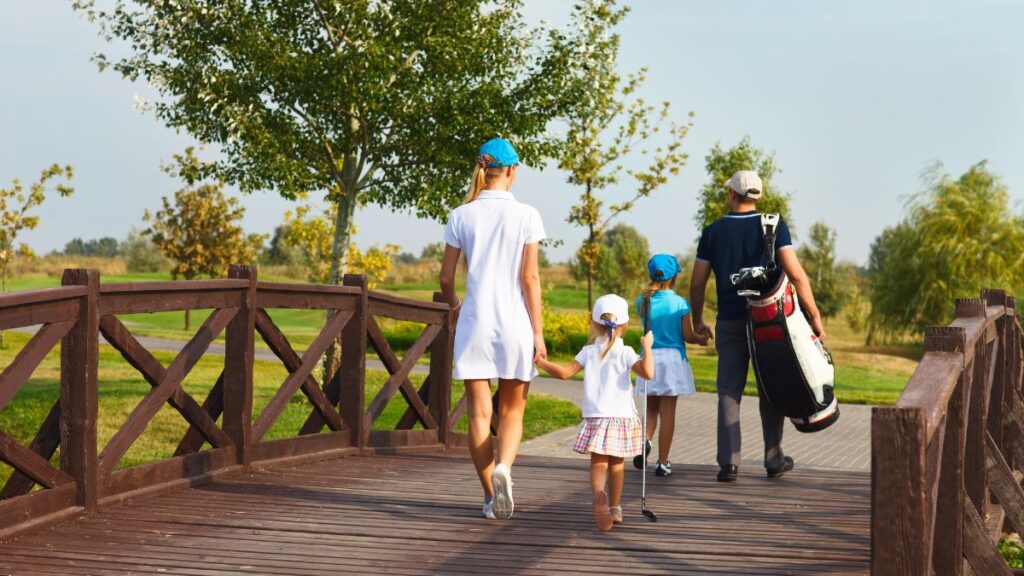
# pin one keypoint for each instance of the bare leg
(615, 477)
(598, 479)
(511, 406)
(653, 404)
(481, 449)
(667, 415)
(598, 472)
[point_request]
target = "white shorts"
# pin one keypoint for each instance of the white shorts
(672, 375)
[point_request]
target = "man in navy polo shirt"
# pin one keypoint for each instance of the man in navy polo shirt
(732, 242)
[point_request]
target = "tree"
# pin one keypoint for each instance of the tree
(200, 231)
(366, 102)
(310, 235)
(606, 126)
(105, 247)
(141, 255)
(721, 164)
(15, 205)
(818, 257)
(622, 267)
(958, 236)
(432, 252)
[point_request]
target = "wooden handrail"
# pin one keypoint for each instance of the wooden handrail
(77, 313)
(943, 457)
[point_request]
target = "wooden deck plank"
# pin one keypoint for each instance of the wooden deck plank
(417, 514)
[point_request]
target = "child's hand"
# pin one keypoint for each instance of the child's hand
(648, 340)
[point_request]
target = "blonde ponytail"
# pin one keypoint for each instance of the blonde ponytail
(482, 176)
(612, 333)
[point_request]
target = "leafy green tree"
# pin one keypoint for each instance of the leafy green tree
(141, 255)
(818, 257)
(622, 268)
(721, 164)
(200, 230)
(606, 126)
(366, 102)
(309, 234)
(432, 252)
(105, 247)
(959, 235)
(15, 205)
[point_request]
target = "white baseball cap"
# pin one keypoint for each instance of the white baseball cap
(746, 183)
(611, 304)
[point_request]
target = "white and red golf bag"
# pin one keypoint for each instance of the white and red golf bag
(794, 370)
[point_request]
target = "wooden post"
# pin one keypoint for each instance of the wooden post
(79, 396)
(1000, 391)
(947, 556)
(238, 367)
(898, 492)
(977, 408)
(440, 398)
(351, 374)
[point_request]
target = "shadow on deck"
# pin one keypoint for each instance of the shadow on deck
(416, 514)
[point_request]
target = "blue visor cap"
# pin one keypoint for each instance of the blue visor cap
(662, 267)
(502, 152)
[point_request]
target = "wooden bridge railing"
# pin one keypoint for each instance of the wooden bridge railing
(224, 435)
(946, 459)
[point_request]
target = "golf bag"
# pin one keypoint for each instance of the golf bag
(794, 370)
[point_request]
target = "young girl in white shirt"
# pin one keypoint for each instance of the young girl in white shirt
(610, 430)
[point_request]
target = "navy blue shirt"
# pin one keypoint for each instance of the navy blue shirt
(732, 242)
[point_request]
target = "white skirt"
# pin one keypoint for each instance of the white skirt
(672, 375)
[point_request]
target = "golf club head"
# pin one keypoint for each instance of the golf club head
(650, 515)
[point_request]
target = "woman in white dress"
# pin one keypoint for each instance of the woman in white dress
(499, 332)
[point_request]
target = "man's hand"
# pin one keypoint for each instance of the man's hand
(818, 327)
(704, 331)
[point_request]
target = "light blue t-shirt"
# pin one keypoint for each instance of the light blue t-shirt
(666, 320)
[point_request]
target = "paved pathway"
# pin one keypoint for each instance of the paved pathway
(844, 446)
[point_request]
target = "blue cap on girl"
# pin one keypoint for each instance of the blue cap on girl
(662, 267)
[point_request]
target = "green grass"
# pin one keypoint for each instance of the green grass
(121, 388)
(865, 375)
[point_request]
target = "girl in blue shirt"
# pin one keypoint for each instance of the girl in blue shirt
(667, 315)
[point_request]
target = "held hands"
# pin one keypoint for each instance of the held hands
(648, 340)
(703, 331)
(540, 349)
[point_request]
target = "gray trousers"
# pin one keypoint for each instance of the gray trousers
(733, 364)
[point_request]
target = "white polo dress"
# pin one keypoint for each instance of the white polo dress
(493, 336)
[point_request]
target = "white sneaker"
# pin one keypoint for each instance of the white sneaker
(501, 484)
(489, 509)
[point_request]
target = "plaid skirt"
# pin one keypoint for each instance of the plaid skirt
(620, 437)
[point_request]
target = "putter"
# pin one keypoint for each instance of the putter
(649, 514)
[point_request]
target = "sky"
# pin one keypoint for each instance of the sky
(855, 98)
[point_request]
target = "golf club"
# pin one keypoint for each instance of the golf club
(649, 514)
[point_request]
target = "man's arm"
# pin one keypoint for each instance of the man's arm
(791, 265)
(698, 285)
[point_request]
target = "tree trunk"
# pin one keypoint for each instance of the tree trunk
(339, 251)
(590, 258)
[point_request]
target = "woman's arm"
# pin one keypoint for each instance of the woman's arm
(529, 276)
(560, 372)
(791, 264)
(645, 367)
(448, 266)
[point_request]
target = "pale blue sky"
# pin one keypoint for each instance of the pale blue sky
(855, 97)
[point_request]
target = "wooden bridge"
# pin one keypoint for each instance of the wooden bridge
(343, 496)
